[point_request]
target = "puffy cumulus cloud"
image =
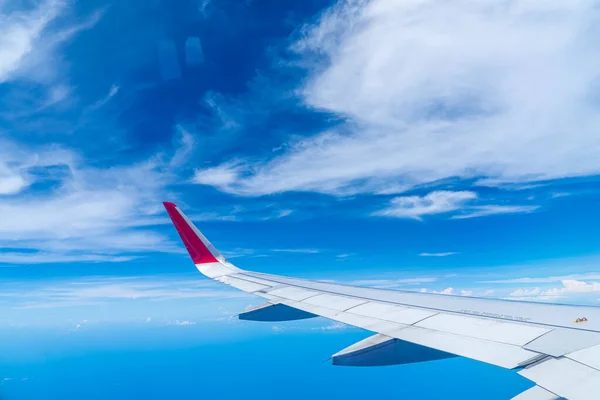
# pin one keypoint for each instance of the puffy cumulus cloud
(573, 286)
(526, 292)
(547, 279)
(505, 92)
(570, 287)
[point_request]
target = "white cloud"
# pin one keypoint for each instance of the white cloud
(442, 202)
(112, 92)
(343, 256)
(548, 279)
(31, 34)
(17, 163)
(573, 286)
(332, 327)
(181, 323)
(483, 211)
(91, 214)
(239, 252)
(570, 287)
(46, 258)
(19, 31)
(185, 147)
(284, 213)
(446, 254)
(466, 293)
(11, 183)
(526, 292)
(101, 290)
(221, 176)
(445, 291)
(391, 283)
(303, 251)
(435, 89)
(438, 202)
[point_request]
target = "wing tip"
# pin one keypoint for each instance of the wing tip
(193, 240)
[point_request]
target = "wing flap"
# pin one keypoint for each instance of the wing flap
(560, 341)
(500, 354)
(481, 328)
(536, 393)
(589, 356)
(379, 350)
(566, 377)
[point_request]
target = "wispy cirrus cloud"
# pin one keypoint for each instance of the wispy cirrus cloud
(31, 37)
(19, 33)
(483, 211)
(302, 251)
(52, 199)
(47, 258)
(409, 122)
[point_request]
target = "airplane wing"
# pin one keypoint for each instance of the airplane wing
(555, 346)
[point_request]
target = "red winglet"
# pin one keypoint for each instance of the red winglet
(193, 243)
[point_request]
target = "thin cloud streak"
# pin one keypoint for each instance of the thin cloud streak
(549, 279)
(446, 254)
(102, 290)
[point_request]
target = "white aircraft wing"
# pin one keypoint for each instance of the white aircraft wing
(555, 346)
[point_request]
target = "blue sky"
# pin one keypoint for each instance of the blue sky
(432, 146)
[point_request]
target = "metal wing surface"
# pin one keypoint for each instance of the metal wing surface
(555, 346)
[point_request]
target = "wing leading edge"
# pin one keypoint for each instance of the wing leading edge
(543, 342)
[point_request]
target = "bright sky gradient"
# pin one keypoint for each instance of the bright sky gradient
(419, 145)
